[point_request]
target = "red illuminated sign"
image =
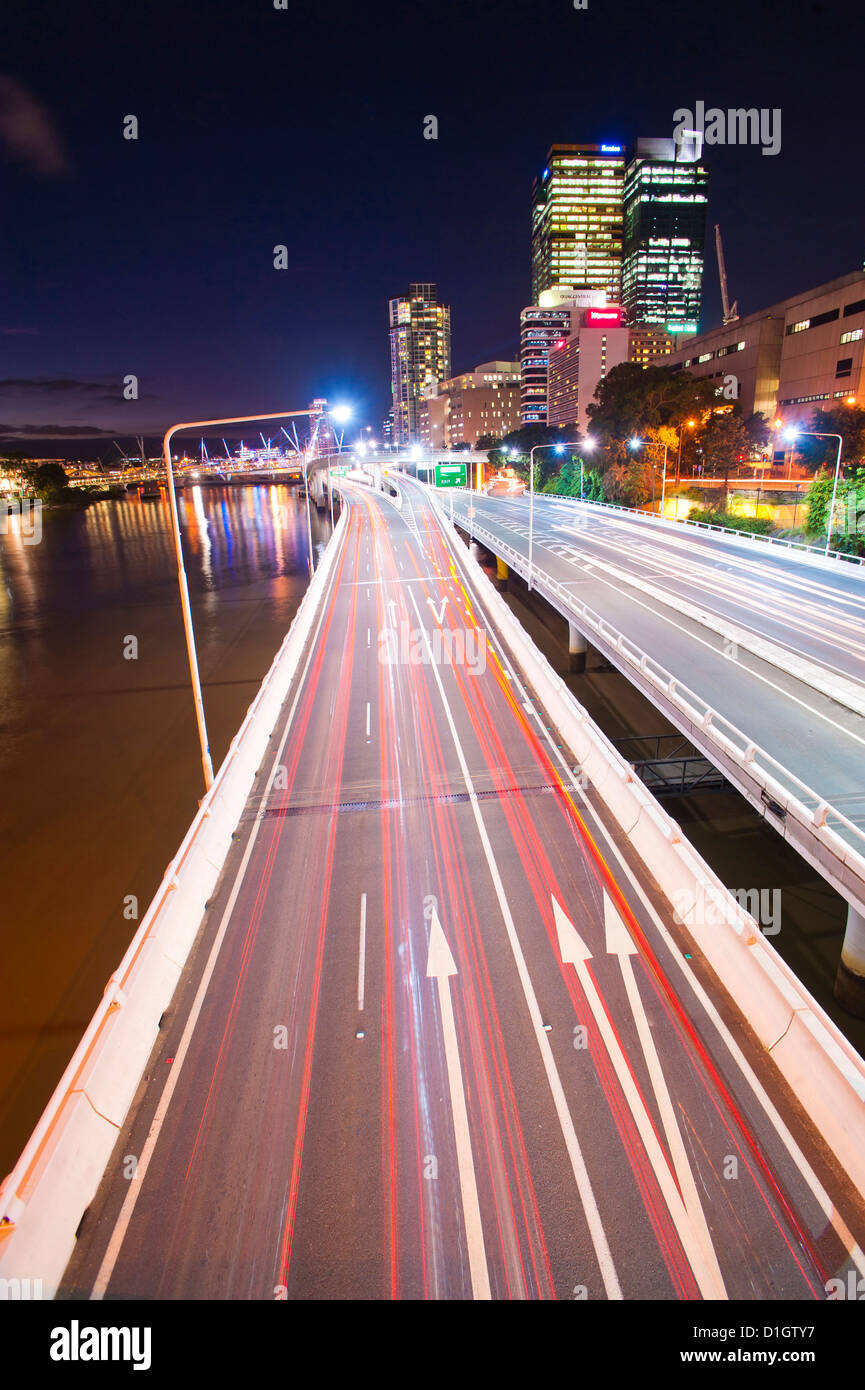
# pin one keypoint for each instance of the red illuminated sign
(606, 318)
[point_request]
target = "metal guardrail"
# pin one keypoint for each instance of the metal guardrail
(724, 532)
(775, 779)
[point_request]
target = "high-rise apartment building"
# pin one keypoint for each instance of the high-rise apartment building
(420, 354)
(664, 232)
(577, 220)
(544, 328)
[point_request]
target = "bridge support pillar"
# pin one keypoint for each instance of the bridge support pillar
(474, 550)
(501, 574)
(850, 981)
(576, 650)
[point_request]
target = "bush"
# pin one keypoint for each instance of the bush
(714, 516)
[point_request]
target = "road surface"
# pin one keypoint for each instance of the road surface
(440, 1036)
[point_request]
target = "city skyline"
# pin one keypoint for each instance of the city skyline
(154, 256)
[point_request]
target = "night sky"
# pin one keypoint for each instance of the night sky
(304, 126)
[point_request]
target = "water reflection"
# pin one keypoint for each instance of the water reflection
(99, 759)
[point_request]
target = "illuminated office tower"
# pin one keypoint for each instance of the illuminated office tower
(577, 220)
(420, 355)
(664, 234)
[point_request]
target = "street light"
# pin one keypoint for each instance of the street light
(560, 449)
(340, 413)
(206, 762)
(589, 445)
(691, 425)
(792, 435)
(638, 444)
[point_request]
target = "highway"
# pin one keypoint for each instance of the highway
(773, 642)
(440, 1036)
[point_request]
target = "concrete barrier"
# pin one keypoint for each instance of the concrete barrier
(811, 1054)
(45, 1196)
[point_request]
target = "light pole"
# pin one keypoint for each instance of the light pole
(690, 424)
(589, 445)
(560, 449)
(818, 434)
(206, 762)
(648, 443)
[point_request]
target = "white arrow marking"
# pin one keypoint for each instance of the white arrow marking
(569, 1133)
(693, 1234)
(392, 606)
(441, 612)
(440, 966)
(620, 943)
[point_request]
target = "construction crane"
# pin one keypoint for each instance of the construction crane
(730, 313)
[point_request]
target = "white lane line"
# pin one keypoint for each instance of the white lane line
(367, 636)
(361, 960)
(578, 1165)
(690, 1223)
(663, 615)
(440, 967)
(367, 718)
(600, 831)
(106, 1269)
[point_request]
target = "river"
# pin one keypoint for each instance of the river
(99, 760)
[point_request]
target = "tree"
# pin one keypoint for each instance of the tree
(725, 444)
(629, 477)
(50, 482)
(632, 399)
(843, 419)
(817, 498)
(488, 441)
(757, 430)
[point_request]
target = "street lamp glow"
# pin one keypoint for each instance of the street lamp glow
(790, 436)
(589, 444)
(341, 413)
(634, 442)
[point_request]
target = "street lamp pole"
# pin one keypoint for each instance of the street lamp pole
(560, 446)
(206, 762)
(819, 434)
(656, 443)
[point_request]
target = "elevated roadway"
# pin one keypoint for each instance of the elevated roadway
(756, 653)
(441, 1035)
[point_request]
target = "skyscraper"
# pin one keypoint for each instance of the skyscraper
(664, 234)
(544, 329)
(577, 220)
(420, 354)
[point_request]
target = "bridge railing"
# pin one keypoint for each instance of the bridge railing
(723, 532)
(783, 790)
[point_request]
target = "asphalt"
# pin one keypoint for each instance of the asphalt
(544, 1115)
(637, 575)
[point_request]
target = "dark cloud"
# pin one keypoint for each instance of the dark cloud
(20, 332)
(53, 387)
(27, 131)
(54, 432)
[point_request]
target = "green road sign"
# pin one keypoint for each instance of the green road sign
(339, 472)
(450, 475)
